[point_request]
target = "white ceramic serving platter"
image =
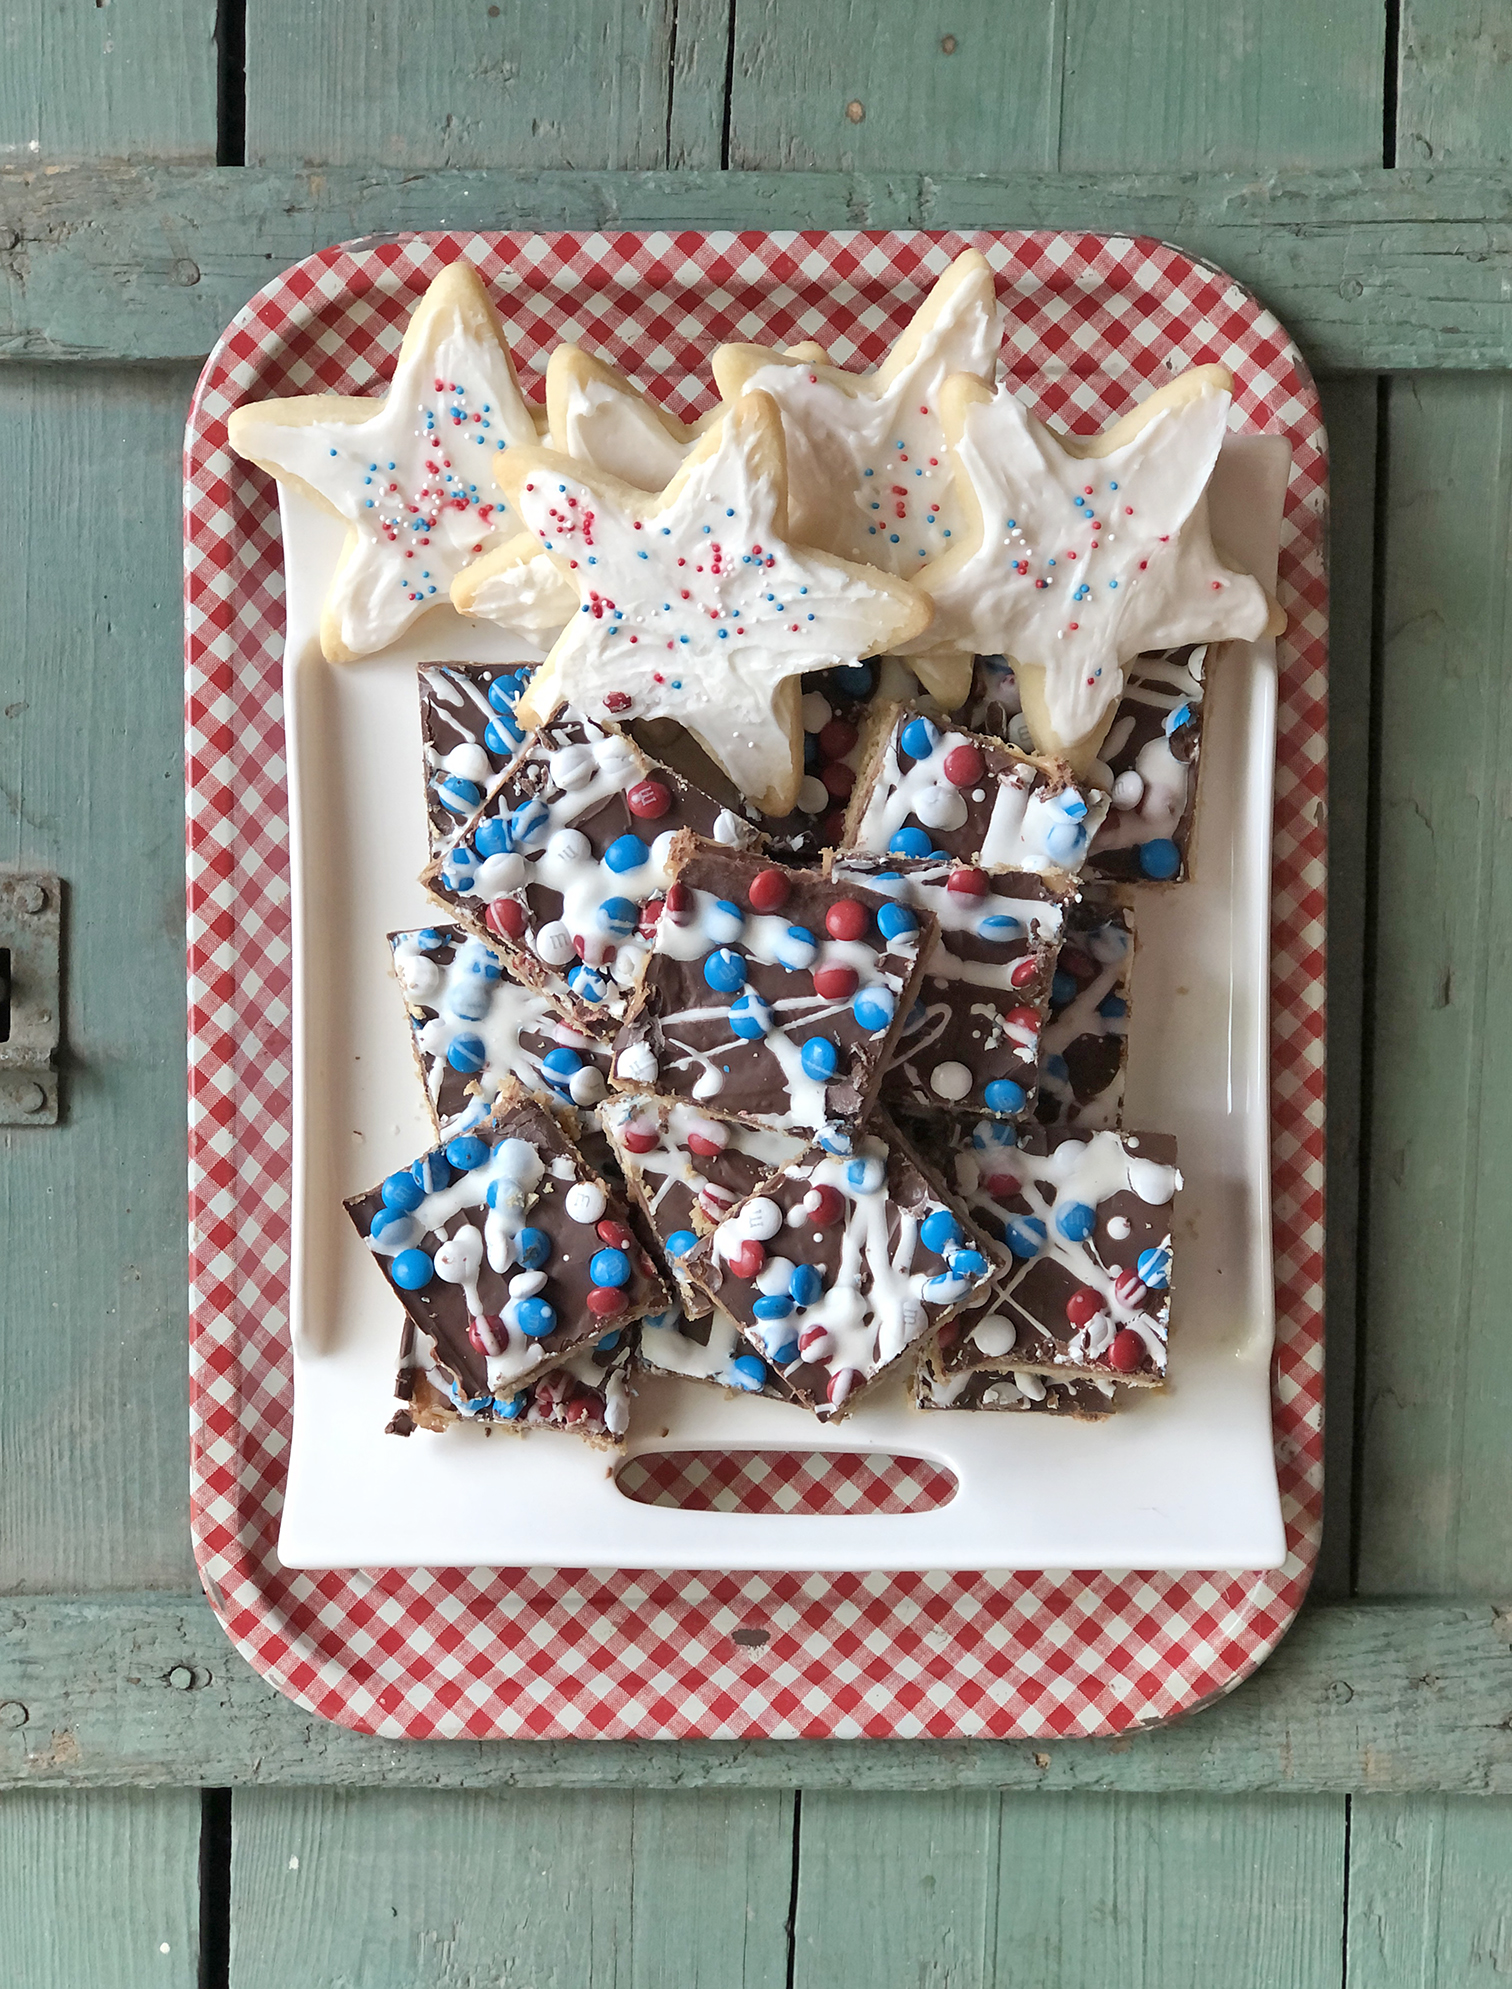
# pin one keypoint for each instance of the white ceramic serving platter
(1180, 1480)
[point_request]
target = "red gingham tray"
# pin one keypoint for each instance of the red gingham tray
(564, 1653)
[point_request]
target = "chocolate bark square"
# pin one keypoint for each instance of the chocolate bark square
(710, 1348)
(1151, 751)
(971, 1039)
(769, 994)
(589, 1394)
(932, 789)
(1020, 1394)
(508, 1252)
(474, 1027)
(469, 733)
(1087, 1216)
(1084, 1045)
(843, 1265)
(687, 1169)
(565, 868)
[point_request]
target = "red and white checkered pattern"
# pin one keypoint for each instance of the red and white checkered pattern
(566, 1652)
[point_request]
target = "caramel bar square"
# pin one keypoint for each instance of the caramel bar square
(929, 789)
(508, 1252)
(843, 1265)
(1087, 1215)
(469, 734)
(589, 1394)
(1084, 1045)
(564, 870)
(474, 1027)
(971, 1039)
(1019, 1394)
(687, 1169)
(709, 1348)
(770, 995)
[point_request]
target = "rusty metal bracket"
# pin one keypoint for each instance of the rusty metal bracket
(31, 928)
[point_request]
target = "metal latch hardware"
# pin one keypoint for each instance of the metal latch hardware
(31, 925)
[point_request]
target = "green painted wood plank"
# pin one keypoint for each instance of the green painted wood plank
(951, 1890)
(886, 86)
(1350, 411)
(579, 85)
(883, 85)
(131, 80)
(1455, 91)
(99, 1889)
(406, 1890)
(1436, 1470)
(700, 84)
(93, 1392)
(146, 1690)
(1430, 1894)
(1223, 86)
(1372, 271)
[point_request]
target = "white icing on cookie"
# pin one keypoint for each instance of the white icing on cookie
(1079, 553)
(411, 474)
(519, 587)
(693, 606)
(868, 467)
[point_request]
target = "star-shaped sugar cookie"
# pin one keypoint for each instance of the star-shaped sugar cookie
(411, 473)
(868, 470)
(694, 605)
(1077, 553)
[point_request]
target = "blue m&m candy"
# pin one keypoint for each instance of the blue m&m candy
(508, 1408)
(751, 1017)
(466, 1151)
(532, 1248)
(895, 921)
(1065, 841)
(432, 1171)
(865, 1174)
(534, 1317)
(1159, 859)
(806, 1285)
(797, 949)
(1003, 1095)
(1025, 1235)
(748, 1371)
(1062, 988)
(810, 751)
(529, 822)
(560, 1066)
(918, 738)
(819, 1058)
(725, 971)
(854, 680)
(608, 1343)
(609, 1267)
(458, 868)
(1112, 1008)
(457, 796)
(412, 1270)
(503, 737)
(1057, 1068)
(1182, 715)
(393, 1228)
(505, 689)
(909, 842)
(1154, 1267)
(772, 1305)
(680, 1242)
(402, 1192)
(724, 921)
(468, 998)
(1075, 1220)
(969, 1264)
(873, 1008)
(619, 915)
(1000, 928)
(587, 983)
(627, 853)
(1071, 805)
(939, 1231)
(492, 837)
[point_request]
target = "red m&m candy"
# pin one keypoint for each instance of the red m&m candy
(649, 799)
(963, 765)
(1129, 1288)
(837, 739)
(747, 1258)
(1127, 1350)
(679, 903)
(1022, 973)
(707, 1140)
(613, 1233)
(971, 883)
(769, 890)
(605, 1300)
(1083, 1306)
(847, 918)
(823, 1205)
(505, 916)
(838, 779)
(641, 1139)
(836, 983)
